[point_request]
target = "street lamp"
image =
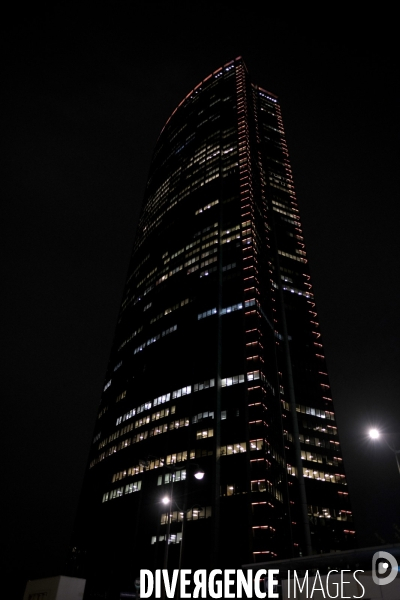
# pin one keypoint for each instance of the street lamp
(184, 513)
(184, 519)
(169, 500)
(199, 473)
(375, 434)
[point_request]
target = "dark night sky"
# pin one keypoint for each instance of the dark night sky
(86, 96)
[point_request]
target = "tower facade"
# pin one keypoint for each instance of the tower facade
(217, 362)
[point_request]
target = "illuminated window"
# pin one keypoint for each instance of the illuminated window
(204, 433)
(182, 392)
(133, 487)
(233, 449)
(207, 313)
(204, 385)
(203, 415)
(234, 380)
(177, 476)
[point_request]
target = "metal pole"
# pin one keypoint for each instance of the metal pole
(182, 540)
(166, 548)
(395, 452)
(171, 488)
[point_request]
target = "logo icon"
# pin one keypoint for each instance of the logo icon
(384, 568)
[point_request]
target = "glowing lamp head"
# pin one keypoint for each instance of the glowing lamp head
(165, 500)
(199, 474)
(374, 434)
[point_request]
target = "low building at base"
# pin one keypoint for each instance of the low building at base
(55, 588)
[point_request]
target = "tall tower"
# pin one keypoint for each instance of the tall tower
(217, 361)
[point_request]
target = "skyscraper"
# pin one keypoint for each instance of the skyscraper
(217, 362)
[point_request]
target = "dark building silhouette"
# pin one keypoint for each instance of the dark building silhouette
(217, 361)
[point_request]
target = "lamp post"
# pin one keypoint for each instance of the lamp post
(375, 434)
(184, 519)
(168, 501)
